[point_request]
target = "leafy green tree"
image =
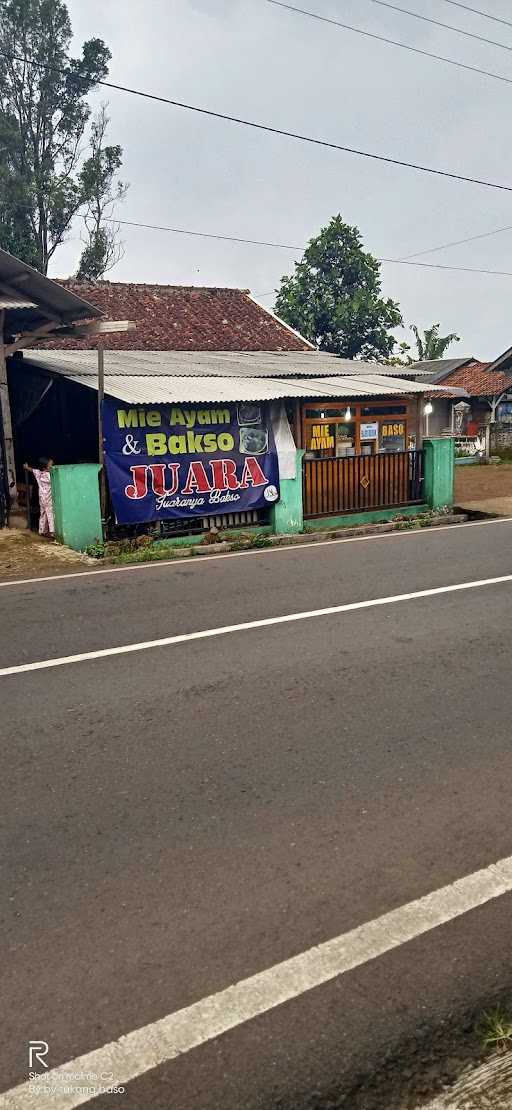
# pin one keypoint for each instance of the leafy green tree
(431, 345)
(400, 356)
(43, 117)
(333, 297)
(99, 185)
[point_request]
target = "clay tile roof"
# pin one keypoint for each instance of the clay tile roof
(478, 380)
(184, 318)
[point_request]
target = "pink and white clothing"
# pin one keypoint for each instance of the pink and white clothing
(44, 484)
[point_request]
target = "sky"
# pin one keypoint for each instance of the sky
(252, 59)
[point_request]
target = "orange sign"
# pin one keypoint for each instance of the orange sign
(321, 438)
(393, 429)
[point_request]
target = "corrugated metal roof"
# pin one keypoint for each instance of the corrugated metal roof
(503, 361)
(12, 300)
(167, 388)
(30, 287)
(238, 364)
(437, 368)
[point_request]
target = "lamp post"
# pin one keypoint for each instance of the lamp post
(427, 410)
(101, 328)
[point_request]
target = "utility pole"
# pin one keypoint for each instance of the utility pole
(5, 416)
(101, 450)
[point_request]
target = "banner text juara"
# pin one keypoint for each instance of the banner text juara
(182, 461)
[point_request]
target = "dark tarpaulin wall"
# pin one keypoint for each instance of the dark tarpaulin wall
(51, 416)
(4, 487)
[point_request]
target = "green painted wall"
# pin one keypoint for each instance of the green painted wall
(439, 472)
(76, 503)
(350, 520)
(287, 515)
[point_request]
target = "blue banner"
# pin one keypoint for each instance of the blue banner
(166, 462)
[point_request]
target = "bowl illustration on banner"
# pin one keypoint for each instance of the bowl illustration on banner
(270, 493)
(253, 441)
(248, 413)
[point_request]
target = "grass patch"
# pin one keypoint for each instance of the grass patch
(251, 541)
(496, 1029)
(420, 520)
(96, 550)
(150, 555)
(144, 549)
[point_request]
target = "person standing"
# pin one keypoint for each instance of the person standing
(42, 475)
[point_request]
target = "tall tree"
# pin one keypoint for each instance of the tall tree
(333, 297)
(431, 345)
(99, 185)
(43, 117)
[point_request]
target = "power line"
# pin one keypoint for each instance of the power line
(438, 23)
(279, 130)
(438, 266)
(202, 234)
(291, 247)
(478, 11)
(390, 42)
(459, 242)
(285, 246)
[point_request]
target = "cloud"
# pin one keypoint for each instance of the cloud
(249, 59)
(216, 9)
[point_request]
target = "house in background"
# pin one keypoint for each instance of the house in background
(480, 398)
(358, 424)
(185, 318)
(438, 372)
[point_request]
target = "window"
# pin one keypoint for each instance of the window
(392, 436)
(336, 438)
(370, 429)
(324, 414)
(383, 410)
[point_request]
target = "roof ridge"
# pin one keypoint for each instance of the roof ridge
(184, 317)
(151, 285)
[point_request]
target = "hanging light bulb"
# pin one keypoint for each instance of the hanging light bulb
(322, 416)
(348, 414)
(428, 409)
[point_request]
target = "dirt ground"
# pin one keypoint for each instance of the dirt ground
(480, 483)
(24, 555)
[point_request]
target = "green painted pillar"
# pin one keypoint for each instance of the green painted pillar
(76, 504)
(439, 470)
(288, 512)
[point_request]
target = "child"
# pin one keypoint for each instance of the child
(42, 476)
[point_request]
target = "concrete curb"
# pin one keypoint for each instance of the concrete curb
(292, 539)
(370, 529)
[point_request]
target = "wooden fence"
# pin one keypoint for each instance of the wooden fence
(362, 482)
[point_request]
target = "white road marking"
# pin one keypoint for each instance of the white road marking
(136, 1053)
(297, 547)
(246, 626)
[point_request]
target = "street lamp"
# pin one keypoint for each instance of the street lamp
(428, 410)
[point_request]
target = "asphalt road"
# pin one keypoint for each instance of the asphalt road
(178, 819)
